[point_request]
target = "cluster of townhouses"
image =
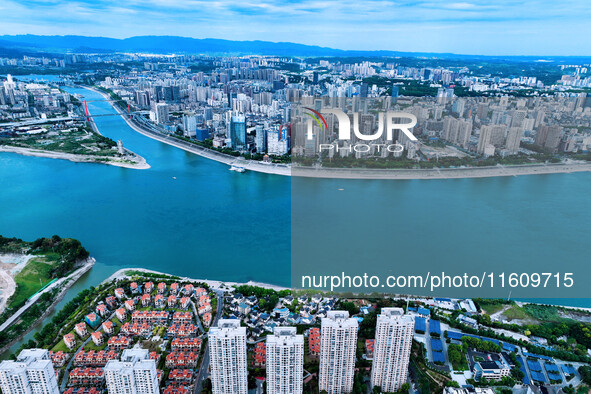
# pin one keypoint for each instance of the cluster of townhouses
(172, 315)
(261, 321)
(134, 371)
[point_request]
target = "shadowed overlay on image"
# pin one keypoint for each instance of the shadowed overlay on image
(428, 196)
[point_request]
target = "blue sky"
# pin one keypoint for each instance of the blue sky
(469, 27)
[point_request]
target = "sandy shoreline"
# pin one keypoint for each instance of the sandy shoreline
(226, 286)
(141, 165)
(214, 284)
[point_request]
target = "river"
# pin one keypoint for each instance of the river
(191, 216)
(185, 215)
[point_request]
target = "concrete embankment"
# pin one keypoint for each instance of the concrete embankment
(252, 165)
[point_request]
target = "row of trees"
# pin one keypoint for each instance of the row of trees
(11, 245)
(575, 331)
(27, 319)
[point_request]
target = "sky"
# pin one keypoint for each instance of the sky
(530, 27)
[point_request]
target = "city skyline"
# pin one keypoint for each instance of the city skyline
(481, 28)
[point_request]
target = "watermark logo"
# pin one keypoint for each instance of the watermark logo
(388, 123)
(317, 116)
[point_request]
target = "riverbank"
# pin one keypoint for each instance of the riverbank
(140, 164)
(63, 285)
(67, 281)
(10, 265)
(442, 173)
(359, 173)
(214, 284)
(251, 165)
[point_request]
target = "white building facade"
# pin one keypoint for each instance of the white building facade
(285, 361)
(338, 345)
(31, 373)
(134, 374)
(227, 347)
(392, 347)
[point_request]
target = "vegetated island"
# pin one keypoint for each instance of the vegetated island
(50, 122)
(34, 276)
(72, 140)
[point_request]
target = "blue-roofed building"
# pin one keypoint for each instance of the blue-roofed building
(435, 327)
(423, 311)
(525, 379)
(244, 308)
(534, 365)
(468, 321)
(568, 370)
(553, 373)
(438, 357)
(281, 312)
(538, 377)
(92, 320)
(455, 335)
(201, 134)
(436, 345)
(547, 358)
(509, 347)
(420, 325)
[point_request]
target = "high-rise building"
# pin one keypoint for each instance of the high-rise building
(338, 345)
(189, 125)
(134, 374)
(483, 139)
(277, 141)
(498, 135)
(518, 118)
(238, 132)
(464, 132)
(491, 135)
(548, 137)
(364, 89)
(514, 139)
(395, 93)
(202, 133)
(227, 347)
(31, 373)
(392, 346)
(161, 110)
(261, 139)
(142, 99)
(285, 361)
(457, 131)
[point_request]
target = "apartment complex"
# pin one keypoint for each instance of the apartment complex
(285, 361)
(134, 374)
(338, 344)
(227, 344)
(392, 347)
(32, 372)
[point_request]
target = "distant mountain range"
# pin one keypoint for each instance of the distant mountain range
(174, 44)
